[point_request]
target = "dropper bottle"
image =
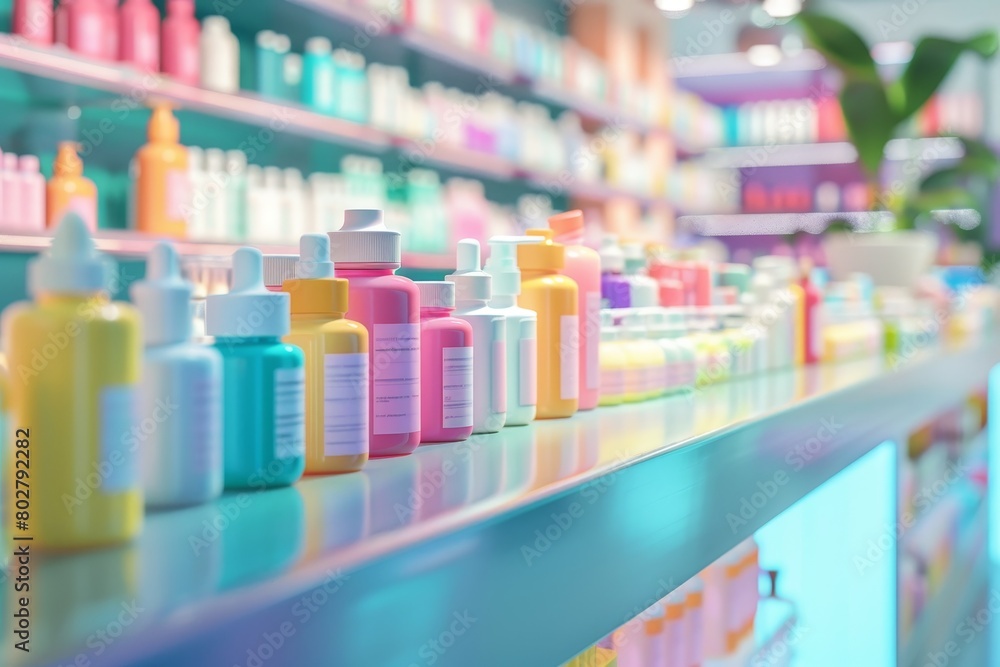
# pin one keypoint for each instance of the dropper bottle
(182, 381)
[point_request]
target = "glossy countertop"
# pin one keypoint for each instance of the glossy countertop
(515, 548)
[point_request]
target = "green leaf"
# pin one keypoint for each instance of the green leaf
(932, 61)
(978, 161)
(869, 120)
(839, 44)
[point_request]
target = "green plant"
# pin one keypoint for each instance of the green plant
(875, 109)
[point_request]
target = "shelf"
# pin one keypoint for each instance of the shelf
(128, 243)
(548, 535)
(757, 224)
(826, 153)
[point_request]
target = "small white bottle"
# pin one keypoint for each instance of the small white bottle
(236, 195)
(293, 205)
(181, 391)
(32, 194)
(522, 327)
(220, 56)
(215, 188)
(644, 292)
(473, 291)
(198, 218)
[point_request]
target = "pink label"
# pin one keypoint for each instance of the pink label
(569, 357)
(499, 376)
(456, 387)
(528, 390)
(613, 382)
(178, 193)
(592, 372)
(396, 378)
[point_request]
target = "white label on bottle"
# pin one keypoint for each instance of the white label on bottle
(592, 373)
(117, 467)
(203, 411)
(289, 413)
(456, 387)
(178, 193)
(499, 374)
(345, 404)
(569, 357)
(528, 390)
(396, 374)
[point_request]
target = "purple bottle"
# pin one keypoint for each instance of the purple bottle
(614, 285)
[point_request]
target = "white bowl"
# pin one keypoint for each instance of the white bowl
(895, 259)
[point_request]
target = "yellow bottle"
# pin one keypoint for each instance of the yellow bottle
(5, 426)
(336, 351)
(74, 359)
(163, 189)
(554, 298)
(613, 363)
(68, 189)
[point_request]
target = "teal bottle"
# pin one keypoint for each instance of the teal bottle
(263, 380)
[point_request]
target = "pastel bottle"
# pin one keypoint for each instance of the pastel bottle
(220, 56)
(813, 324)
(446, 390)
(522, 329)
(614, 363)
(81, 356)
(69, 189)
(86, 24)
(181, 391)
(651, 357)
(583, 266)
(367, 254)
(139, 42)
(473, 291)
(554, 297)
(615, 287)
(643, 290)
(263, 380)
(163, 189)
(318, 76)
(336, 357)
(11, 211)
(179, 42)
(32, 20)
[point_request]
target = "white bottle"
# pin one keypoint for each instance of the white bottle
(293, 205)
(181, 391)
(644, 292)
(473, 290)
(522, 327)
(10, 184)
(215, 185)
(32, 194)
(198, 219)
(236, 195)
(220, 56)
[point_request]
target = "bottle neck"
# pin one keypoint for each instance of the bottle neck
(470, 304)
(433, 313)
(365, 270)
(536, 273)
(504, 301)
(570, 238)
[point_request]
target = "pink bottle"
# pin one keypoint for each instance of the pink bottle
(111, 30)
(10, 185)
(814, 315)
(179, 42)
(32, 194)
(33, 20)
(87, 25)
(139, 38)
(445, 365)
(367, 253)
(583, 265)
(61, 23)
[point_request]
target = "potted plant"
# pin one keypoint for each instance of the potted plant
(874, 110)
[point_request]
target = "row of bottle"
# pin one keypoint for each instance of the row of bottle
(708, 618)
(828, 196)
(312, 378)
(205, 54)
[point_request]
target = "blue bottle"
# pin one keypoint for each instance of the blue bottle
(271, 49)
(318, 73)
(263, 379)
(181, 387)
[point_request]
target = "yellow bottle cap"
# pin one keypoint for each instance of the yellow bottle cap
(544, 256)
(317, 296)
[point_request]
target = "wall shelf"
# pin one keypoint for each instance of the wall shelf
(512, 530)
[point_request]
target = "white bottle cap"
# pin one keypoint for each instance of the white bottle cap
(502, 263)
(248, 310)
(314, 257)
(215, 160)
(471, 283)
(612, 257)
(72, 265)
(635, 258)
(282, 44)
(436, 294)
(364, 239)
(219, 24)
(318, 45)
(278, 268)
(163, 298)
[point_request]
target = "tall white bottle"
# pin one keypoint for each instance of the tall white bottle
(473, 290)
(522, 328)
(644, 292)
(181, 391)
(220, 56)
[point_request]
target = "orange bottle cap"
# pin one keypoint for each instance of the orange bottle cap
(163, 126)
(68, 162)
(569, 222)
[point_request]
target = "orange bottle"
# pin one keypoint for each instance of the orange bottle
(162, 191)
(69, 189)
(554, 297)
